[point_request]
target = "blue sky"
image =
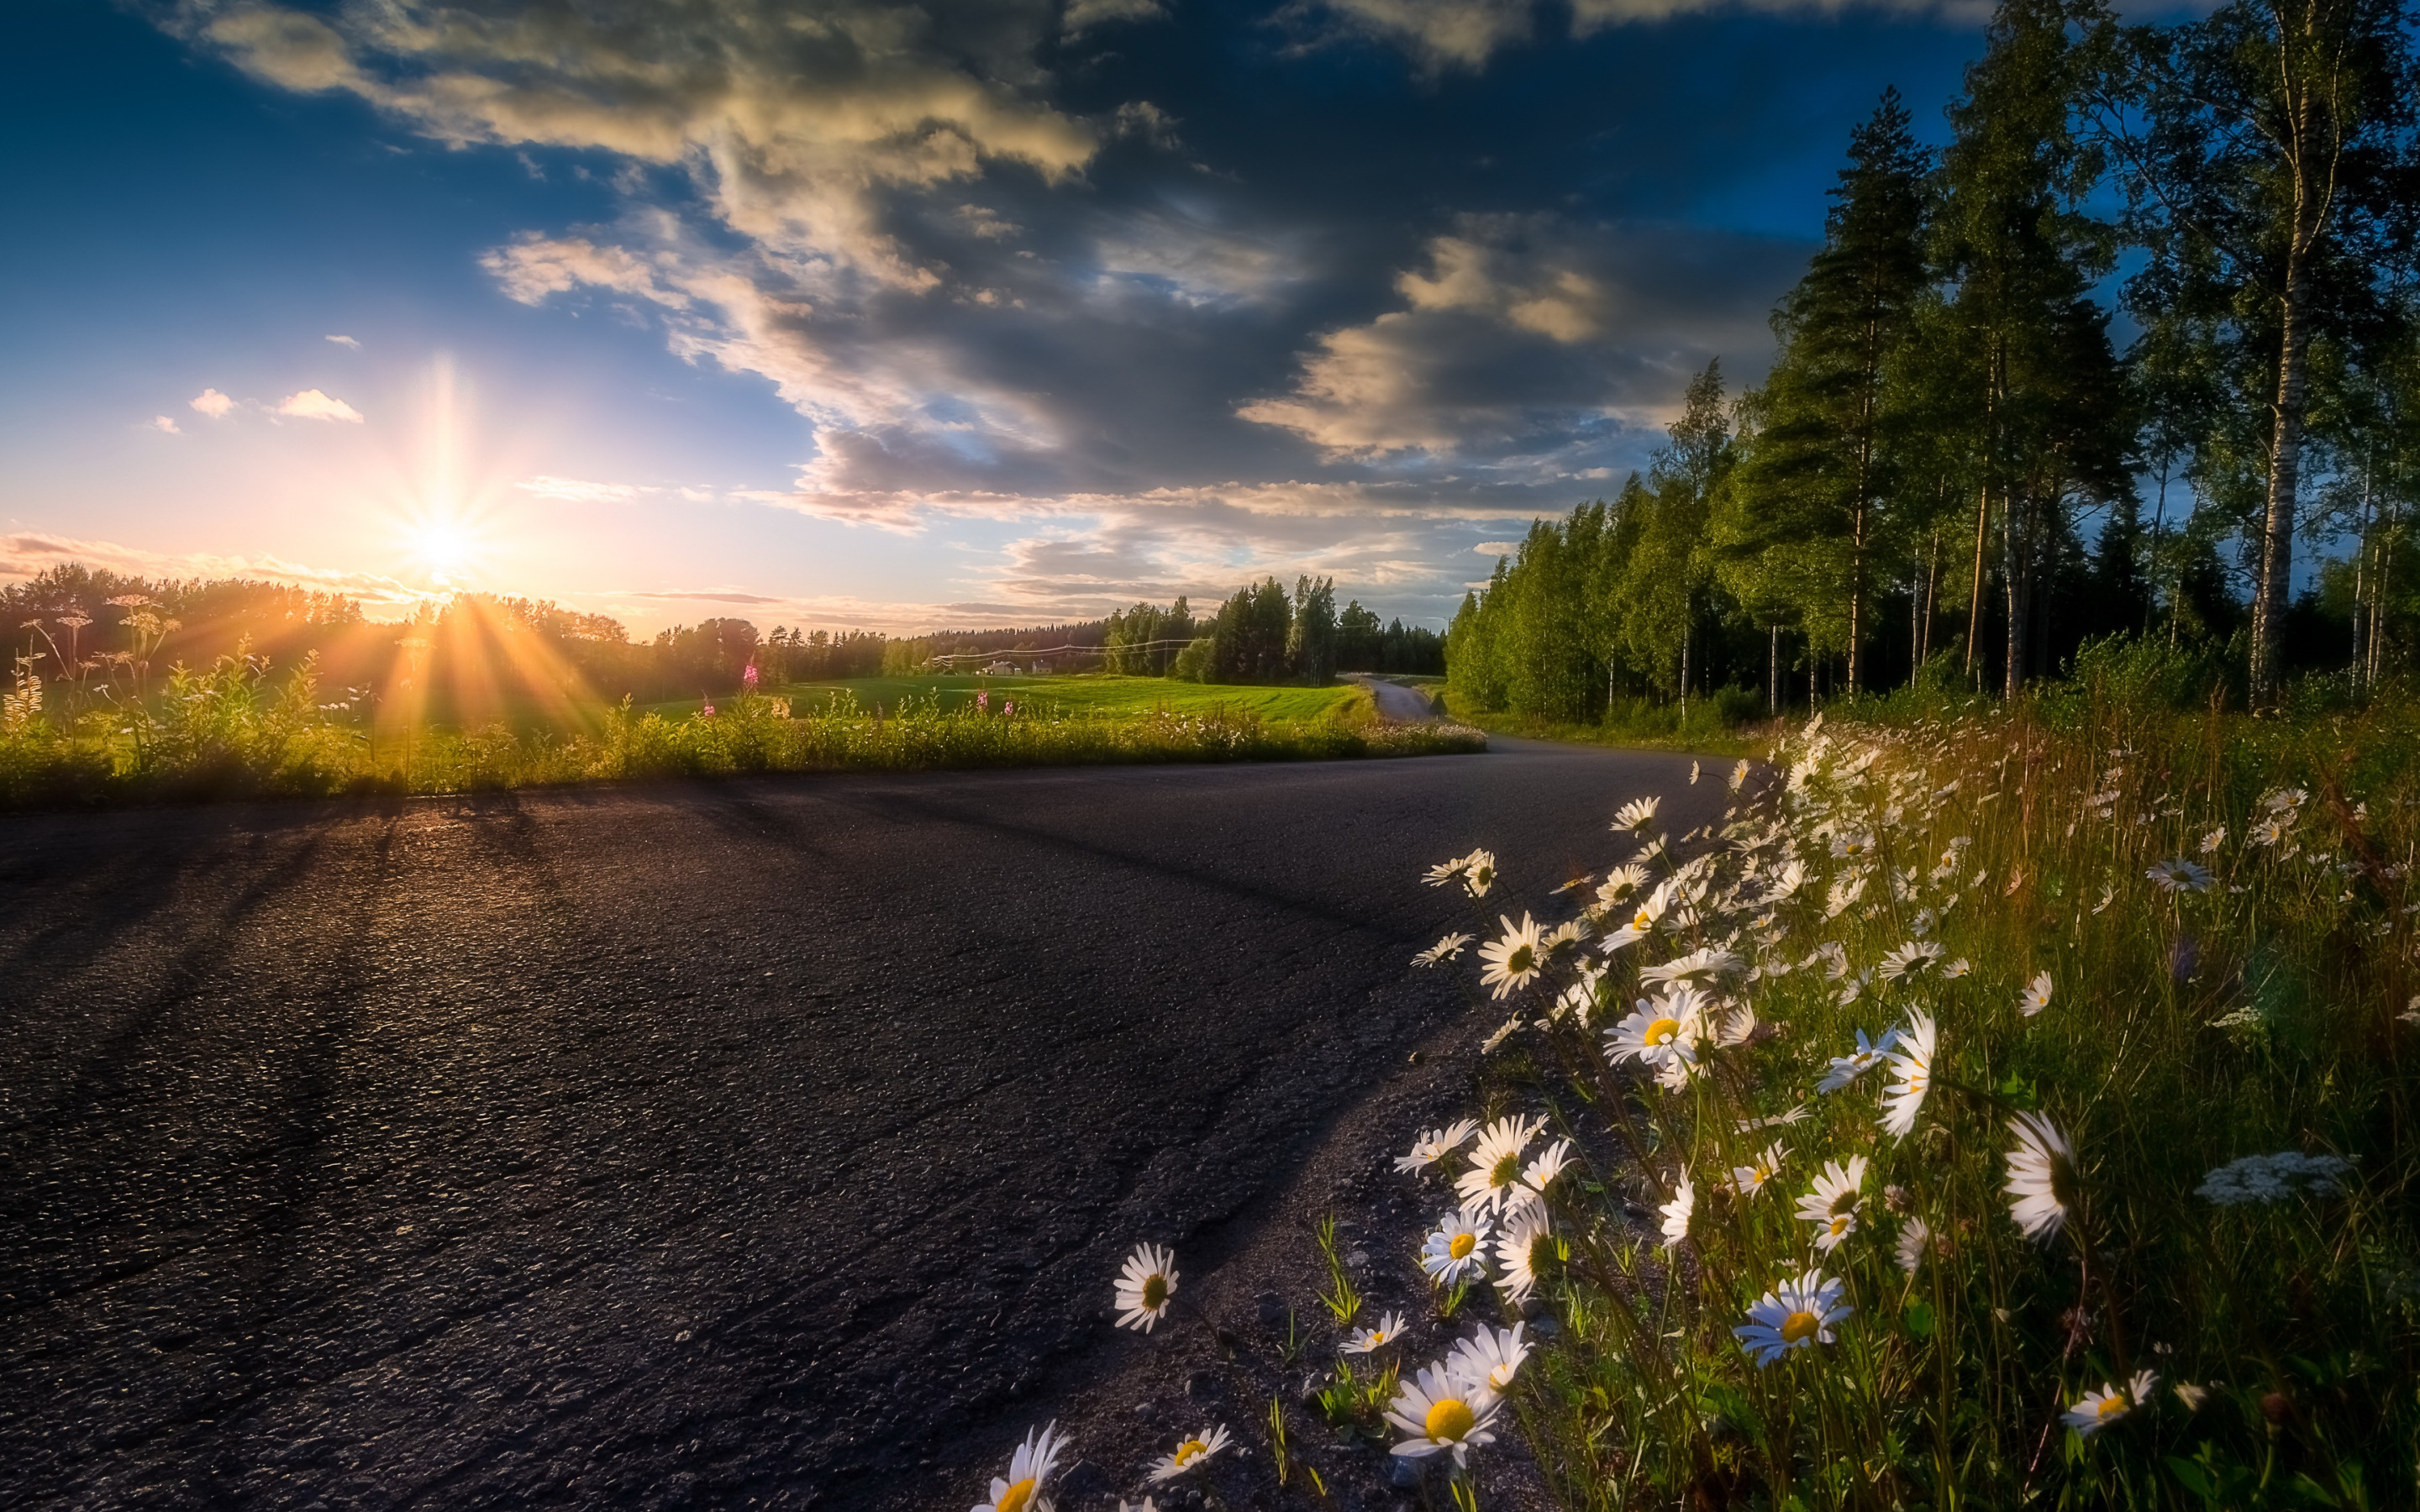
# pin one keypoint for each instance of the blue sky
(859, 314)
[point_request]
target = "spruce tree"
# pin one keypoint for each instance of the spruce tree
(1821, 481)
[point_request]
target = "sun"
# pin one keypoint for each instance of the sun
(444, 547)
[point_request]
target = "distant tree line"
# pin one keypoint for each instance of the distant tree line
(1263, 634)
(1952, 472)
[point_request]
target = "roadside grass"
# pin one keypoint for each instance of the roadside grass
(1086, 693)
(2185, 943)
(232, 731)
(1713, 727)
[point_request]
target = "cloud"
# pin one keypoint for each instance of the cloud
(1083, 15)
(29, 554)
(716, 596)
(1439, 33)
(346, 342)
(1496, 548)
(313, 404)
(1528, 335)
(795, 124)
(213, 402)
(576, 490)
(163, 423)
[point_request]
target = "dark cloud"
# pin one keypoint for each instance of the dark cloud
(1186, 292)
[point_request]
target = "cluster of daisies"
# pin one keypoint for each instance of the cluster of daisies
(1659, 962)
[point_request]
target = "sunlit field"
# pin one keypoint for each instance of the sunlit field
(1077, 694)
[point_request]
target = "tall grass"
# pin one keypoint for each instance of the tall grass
(2255, 1003)
(232, 730)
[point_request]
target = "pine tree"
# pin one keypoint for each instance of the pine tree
(1817, 490)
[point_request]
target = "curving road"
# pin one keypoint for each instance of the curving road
(766, 1141)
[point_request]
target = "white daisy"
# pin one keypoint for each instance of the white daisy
(1028, 1471)
(1738, 777)
(1677, 1212)
(1367, 1341)
(1437, 1145)
(1455, 1251)
(1491, 1357)
(1622, 886)
(1913, 959)
(2041, 1176)
(1643, 919)
(1846, 1069)
(1145, 1286)
(1552, 1162)
(1444, 950)
(1442, 1413)
(1579, 999)
(1517, 1250)
(1748, 1179)
(1636, 815)
(1795, 1315)
(1959, 968)
(1702, 968)
(1478, 873)
(2099, 1409)
(1513, 960)
(1191, 1453)
(2213, 841)
(1832, 1207)
(1504, 1032)
(1911, 1074)
(2036, 996)
(1660, 1032)
(1914, 1238)
(1445, 871)
(1693, 768)
(1496, 1164)
(2181, 876)
(1853, 845)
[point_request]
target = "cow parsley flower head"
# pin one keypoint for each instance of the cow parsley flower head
(2261, 1179)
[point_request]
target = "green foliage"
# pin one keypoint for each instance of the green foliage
(2259, 1009)
(1342, 1301)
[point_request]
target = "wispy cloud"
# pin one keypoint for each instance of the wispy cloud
(581, 491)
(346, 342)
(28, 554)
(163, 423)
(213, 402)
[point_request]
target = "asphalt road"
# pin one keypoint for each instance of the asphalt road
(766, 1142)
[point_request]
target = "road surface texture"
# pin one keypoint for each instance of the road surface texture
(1394, 700)
(768, 1142)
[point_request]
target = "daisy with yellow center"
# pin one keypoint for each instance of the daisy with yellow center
(1368, 1340)
(1832, 1207)
(2099, 1409)
(1637, 816)
(1145, 1286)
(1846, 1069)
(1511, 961)
(1660, 1032)
(1190, 1455)
(1796, 1315)
(1440, 1411)
(1496, 1164)
(1456, 1252)
(2036, 996)
(1751, 1179)
(1029, 1472)
(1911, 1076)
(1437, 1145)
(1527, 1232)
(1491, 1357)
(1678, 1212)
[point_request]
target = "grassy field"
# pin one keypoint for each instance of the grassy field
(1092, 693)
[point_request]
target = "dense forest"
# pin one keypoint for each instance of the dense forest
(1958, 469)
